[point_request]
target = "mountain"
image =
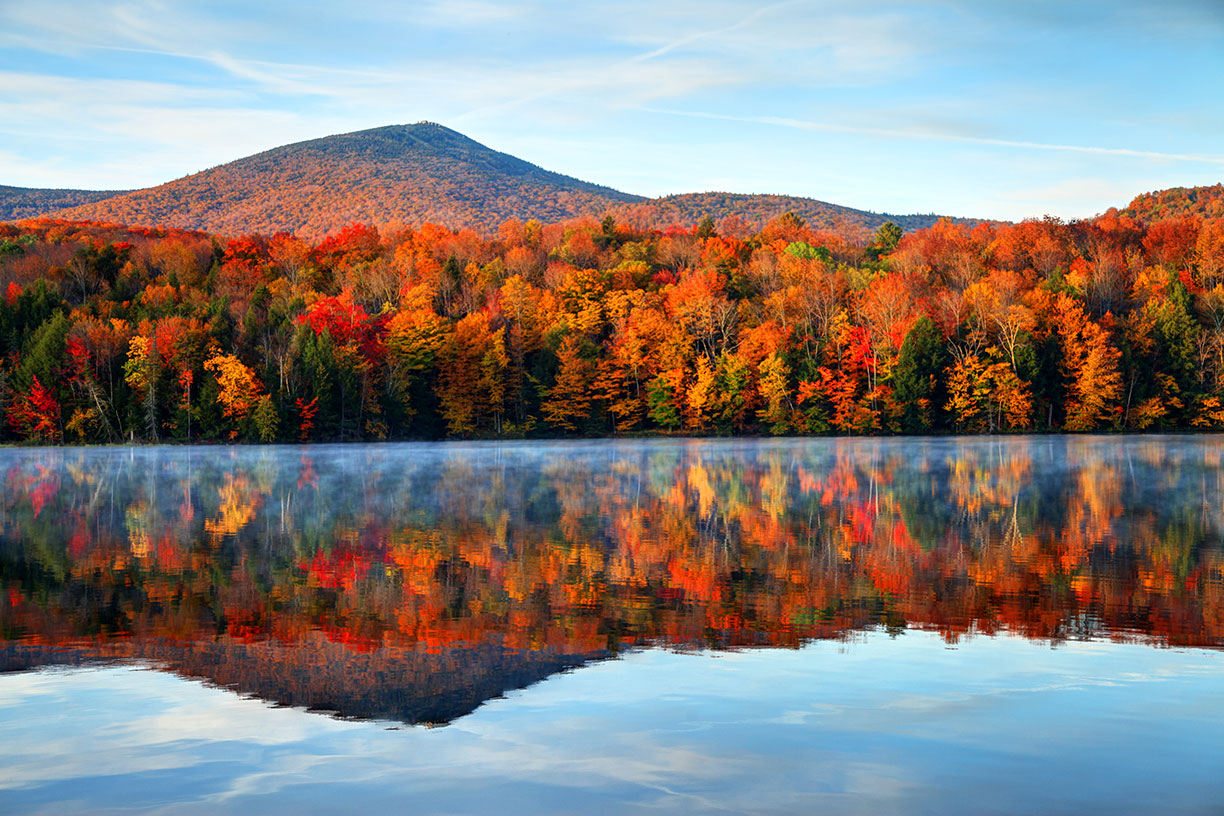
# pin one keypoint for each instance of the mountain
(1205, 202)
(757, 210)
(401, 173)
(26, 202)
(408, 174)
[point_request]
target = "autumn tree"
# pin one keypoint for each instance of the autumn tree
(414, 338)
(35, 413)
(240, 390)
(997, 304)
(777, 408)
(142, 372)
(1090, 363)
(985, 395)
(472, 362)
(568, 403)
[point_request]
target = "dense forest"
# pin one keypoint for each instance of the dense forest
(588, 327)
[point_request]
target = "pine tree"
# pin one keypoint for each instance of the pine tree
(916, 376)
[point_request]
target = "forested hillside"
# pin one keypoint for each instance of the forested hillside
(26, 202)
(588, 327)
(754, 211)
(1175, 202)
(409, 175)
(402, 174)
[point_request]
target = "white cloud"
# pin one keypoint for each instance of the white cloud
(941, 135)
(998, 81)
(147, 133)
(1079, 194)
(463, 13)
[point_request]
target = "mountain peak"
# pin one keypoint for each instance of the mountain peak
(407, 174)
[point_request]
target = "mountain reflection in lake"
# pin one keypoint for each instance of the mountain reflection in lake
(414, 582)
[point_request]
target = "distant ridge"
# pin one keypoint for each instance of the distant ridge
(407, 174)
(756, 210)
(1205, 202)
(27, 202)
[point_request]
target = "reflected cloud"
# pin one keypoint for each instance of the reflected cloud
(731, 740)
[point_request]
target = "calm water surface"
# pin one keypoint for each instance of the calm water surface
(834, 626)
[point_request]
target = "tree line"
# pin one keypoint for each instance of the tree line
(111, 333)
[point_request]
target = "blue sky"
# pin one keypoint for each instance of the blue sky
(999, 108)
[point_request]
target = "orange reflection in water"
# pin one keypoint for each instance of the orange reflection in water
(584, 549)
(684, 544)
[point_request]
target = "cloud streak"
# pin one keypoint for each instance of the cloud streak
(891, 133)
(639, 94)
(714, 32)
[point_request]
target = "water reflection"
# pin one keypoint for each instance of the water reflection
(415, 581)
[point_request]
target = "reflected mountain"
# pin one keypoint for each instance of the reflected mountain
(412, 582)
(385, 683)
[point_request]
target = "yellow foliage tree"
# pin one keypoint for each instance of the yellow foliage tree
(141, 372)
(987, 396)
(569, 400)
(414, 337)
(774, 388)
(701, 397)
(1090, 362)
(472, 361)
(240, 389)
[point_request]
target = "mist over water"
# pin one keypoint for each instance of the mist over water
(421, 583)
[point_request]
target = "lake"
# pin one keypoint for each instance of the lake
(842, 626)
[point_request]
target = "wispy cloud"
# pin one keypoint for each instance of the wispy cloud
(894, 133)
(169, 86)
(689, 39)
(465, 13)
(1079, 192)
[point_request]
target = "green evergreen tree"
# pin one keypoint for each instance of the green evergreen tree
(917, 376)
(1177, 334)
(42, 355)
(267, 423)
(887, 236)
(661, 397)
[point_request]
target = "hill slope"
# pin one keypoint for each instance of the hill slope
(757, 210)
(26, 202)
(409, 174)
(400, 173)
(1205, 202)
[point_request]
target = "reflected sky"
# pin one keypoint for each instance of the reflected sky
(843, 626)
(874, 725)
